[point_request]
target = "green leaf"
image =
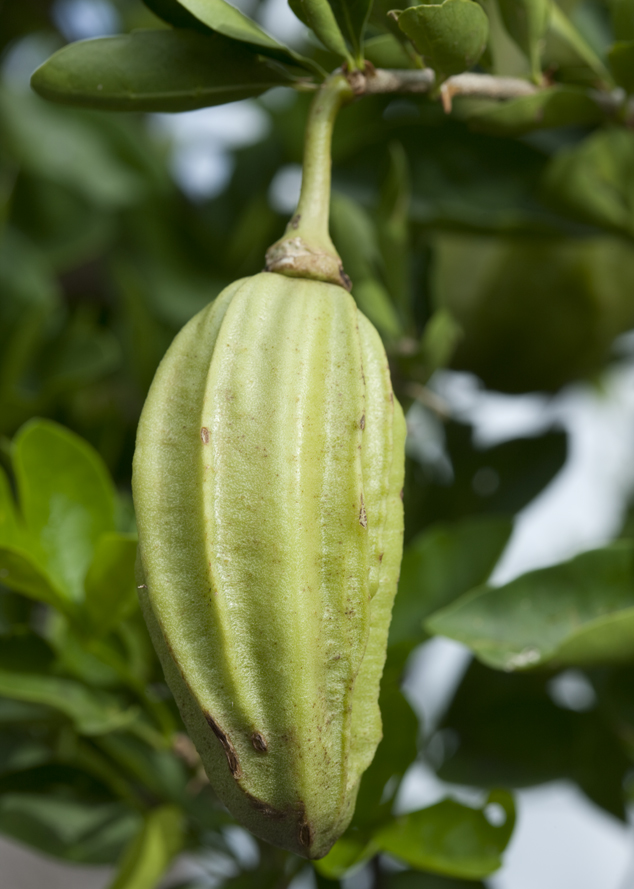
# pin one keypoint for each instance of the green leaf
(622, 13)
(110, 585)
(64, 148)
(67, 500)
(441, 335)
(511, 733)
(161, 70)
(20, 572)
(580, 612)
(319, 17)
(556, 106)
(352, 16)
(526, 21)
(413, 880)
(561, 26)
(11, 531)
(621, 58)
(451, 36)
(67, 828)
(450, 838)
(224, 18)
(175, 14)
(92, 712)
(152, 850)
(441, 564)
(347, 852)
(385, 51)
(595, 180)
(393, 228)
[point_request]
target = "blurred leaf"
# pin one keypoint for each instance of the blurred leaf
(411, 880)
(440, 338)
(393, 229)
(350, 850)
(352, 16)
(11, 531)
(580, 612)
(160, 70)
(442, 563)
(151, 852)
(92, 712)
(320, 18)
(622, 13)
(561, 26)
(85, 353)
(224, 18)
(386, 51)
(505, 729)
(497, 481)
(175, 14)
(20, 572)
(110, 585)
(63, 147)
(621, 58)
(66, 497)
(451, 36)
(565, 300)
(526, 21)
(450, 838)
(66, 828)
(355, 237)
(158, 771)
(556, 106)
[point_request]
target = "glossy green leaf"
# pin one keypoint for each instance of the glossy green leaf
(594, 180)
(352, 16)
(319, 17)
(67, 500)
(441, 564)
(621, 58)
(451, 36)
(110, 586)
(556, 106)
(91, 712)
(224, 18)
(450, 838)
(151, 852)
(526, 21)
(161, 70)
(577, 613)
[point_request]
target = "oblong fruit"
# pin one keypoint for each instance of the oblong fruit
(267, 481)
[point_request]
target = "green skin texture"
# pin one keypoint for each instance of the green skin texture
(267, 485)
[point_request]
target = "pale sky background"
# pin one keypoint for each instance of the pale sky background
(562, 841)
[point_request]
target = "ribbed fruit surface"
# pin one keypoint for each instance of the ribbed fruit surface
(267, 483)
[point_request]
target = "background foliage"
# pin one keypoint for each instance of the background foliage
(496, 240)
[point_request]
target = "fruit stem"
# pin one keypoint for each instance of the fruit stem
(306, 250)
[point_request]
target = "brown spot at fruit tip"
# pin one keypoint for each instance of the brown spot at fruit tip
(204, 434)
(305, 834)
(363, 518)
(346, 283)
(381, 557)
(227, 746)
(259, 742)
(142, 586)
(362, 423)
(295, 220)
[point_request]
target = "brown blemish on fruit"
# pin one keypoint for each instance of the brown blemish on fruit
(346, 283)
(265, 809)
(227, 746)
(362, 423)
(295, 220)
(381, 557)
(305, 834)
(363, 518)
(401, 494)
(204, 434)
(259, 742)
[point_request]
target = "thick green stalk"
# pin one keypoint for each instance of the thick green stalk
(306, 250)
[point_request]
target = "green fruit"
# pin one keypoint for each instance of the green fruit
(267, 482)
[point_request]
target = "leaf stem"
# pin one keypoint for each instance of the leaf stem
(306, 249)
